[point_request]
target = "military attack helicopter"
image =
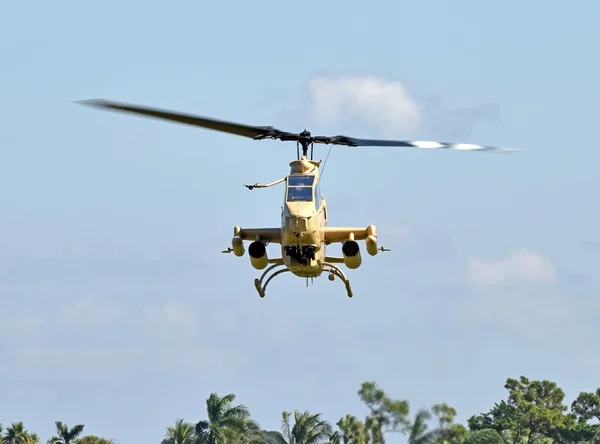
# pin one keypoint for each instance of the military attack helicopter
(303, 233)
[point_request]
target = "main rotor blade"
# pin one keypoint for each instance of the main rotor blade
(188, 119)
(268, 132)
(351, 141)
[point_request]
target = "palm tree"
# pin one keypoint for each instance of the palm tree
(353, 431)
(227, 424)
(253, 434)
(336, 438)
(65, 435)
(272, 437)
(32, 438)
(418, 433)
(308, 428)
(180, 433)
(16, 434)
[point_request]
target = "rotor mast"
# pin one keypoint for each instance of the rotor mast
(305, 141)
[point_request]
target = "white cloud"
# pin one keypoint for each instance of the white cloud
(389, 106)
(521, 267)
(515, 292)
(384, 103)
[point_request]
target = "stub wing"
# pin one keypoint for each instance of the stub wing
(265, 234)
(342, 234)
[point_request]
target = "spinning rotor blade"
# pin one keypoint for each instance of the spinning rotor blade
(268, 132)
(351, 141)
(254, 132)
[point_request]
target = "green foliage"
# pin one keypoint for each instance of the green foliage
(351, 431)
(92, 439)
(64, 434)
(273, 437)
(447, 431)
(227, 423)
(532, 413)
(180, 433)
(418, 430)
(308, 428)
(16, 433)
(587, 406)
(485, 436)
(386, 414)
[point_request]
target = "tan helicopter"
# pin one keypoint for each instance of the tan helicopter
(303, 234)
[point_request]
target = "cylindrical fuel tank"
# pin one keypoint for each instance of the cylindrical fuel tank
(351, 252)
(258, 255)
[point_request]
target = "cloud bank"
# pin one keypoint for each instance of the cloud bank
(378, 101)
(521, 267)
(388, 106)
(519, 294)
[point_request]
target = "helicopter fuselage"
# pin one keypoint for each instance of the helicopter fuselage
(303, 218)
(303, 233)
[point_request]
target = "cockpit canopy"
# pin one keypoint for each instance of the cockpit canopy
(300, 188)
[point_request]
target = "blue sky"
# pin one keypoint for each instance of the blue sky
(117, 309)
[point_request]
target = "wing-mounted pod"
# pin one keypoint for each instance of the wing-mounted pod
(351, 252)
(371, 240)
(237, 242)
(258, 254)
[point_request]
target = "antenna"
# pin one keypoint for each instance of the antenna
(324, 164)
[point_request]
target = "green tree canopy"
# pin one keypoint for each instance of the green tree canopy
(180, 433)
(308, 428)
(64, 434)
(486, 436)
(533, 412)
(227, 423)
(93, 439)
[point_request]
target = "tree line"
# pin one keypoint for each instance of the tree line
(534, 412)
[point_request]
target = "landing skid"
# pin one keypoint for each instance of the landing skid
(327, 267)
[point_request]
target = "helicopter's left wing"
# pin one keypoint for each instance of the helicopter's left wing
(264, 234)
(342, 234)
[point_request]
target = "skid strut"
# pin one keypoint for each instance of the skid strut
(258, 283)
(336, 271)
(327, 267)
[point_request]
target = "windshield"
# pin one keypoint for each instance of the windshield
(301, 180)
(300, 194)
